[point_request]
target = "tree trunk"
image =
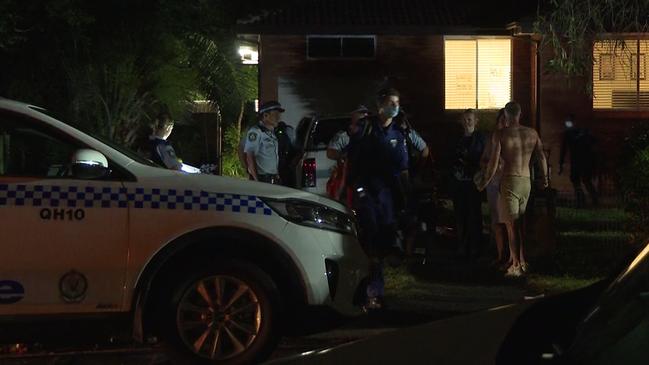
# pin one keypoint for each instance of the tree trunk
(240, 118)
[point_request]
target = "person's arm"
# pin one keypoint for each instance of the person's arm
(494, 158)
(168, 157)
(562, 154)
(333, 153)
(252, 165)
(420, 145)
(250, 149)
(486, 154)
(539, 156)
(425, 153)
(337, 145)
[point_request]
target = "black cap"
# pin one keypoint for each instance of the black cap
(270, 106)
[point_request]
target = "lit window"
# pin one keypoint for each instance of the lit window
(477, 73)
(619, 74)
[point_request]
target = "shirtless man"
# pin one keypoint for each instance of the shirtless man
(516, 145)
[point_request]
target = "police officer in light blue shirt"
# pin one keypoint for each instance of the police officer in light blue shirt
(261, 145)
(339, 142)
(418, 143)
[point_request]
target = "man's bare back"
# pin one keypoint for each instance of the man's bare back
(518, 143)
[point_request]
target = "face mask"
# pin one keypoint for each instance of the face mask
(568, 124)
(391, 111)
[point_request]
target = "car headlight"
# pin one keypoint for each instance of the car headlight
(313, 215)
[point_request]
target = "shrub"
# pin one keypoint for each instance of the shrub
(634, 181)
(231, 164)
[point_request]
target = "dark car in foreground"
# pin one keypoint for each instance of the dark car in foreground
(605, 323)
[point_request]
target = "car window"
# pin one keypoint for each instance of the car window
(123, 150)
(323, 132)
(29, 149)
(26, 150)
(301, 132)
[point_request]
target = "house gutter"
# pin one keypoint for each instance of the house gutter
(517, 31)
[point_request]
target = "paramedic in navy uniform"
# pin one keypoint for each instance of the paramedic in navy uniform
(261, 146)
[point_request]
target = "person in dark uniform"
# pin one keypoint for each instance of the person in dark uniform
(581, 145)
(467, 200)
(286, 150)
(162, 152)
(261, 145)
(379, 162)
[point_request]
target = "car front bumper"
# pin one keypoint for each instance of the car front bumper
(334, 266)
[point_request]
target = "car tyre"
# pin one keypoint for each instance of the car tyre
(228, 313)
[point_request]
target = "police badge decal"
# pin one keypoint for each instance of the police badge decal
(73, 286)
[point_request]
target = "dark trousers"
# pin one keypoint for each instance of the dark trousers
(467, 204)
(581, 175)
(377, 233)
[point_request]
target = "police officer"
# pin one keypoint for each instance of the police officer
(285, 138)
(378, 156)
(338, 144)
(161, 150)
(261, 146)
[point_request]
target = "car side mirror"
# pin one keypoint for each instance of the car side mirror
(89, 164)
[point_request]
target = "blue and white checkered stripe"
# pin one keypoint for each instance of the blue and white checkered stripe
(119, 197)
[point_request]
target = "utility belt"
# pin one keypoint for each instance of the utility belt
(399, 186)
(269, 178)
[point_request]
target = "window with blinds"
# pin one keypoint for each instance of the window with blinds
(620, 74)
(477, 73)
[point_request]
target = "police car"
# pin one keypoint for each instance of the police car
(211, 265)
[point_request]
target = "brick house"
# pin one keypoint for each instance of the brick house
(326, 56)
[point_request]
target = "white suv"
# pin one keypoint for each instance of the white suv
(208, 263)
(313, 168)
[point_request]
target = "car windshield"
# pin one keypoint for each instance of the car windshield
(123, 150)
(324, 130)
(616, 330)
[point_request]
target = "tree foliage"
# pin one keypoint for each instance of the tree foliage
(110, 66)
(569, 28)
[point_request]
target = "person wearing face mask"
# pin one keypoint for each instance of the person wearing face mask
(261, 145)
(581, 145)
(466, 197)
(379, 158)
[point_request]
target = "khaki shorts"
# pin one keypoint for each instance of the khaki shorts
(496, 210)
(514, 194)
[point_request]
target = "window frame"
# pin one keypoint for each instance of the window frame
(340, 37)
(118, 173)
(638, 111)
(476, 38)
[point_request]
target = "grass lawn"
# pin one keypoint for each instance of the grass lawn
(590, 244)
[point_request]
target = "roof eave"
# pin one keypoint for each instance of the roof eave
(375, 30)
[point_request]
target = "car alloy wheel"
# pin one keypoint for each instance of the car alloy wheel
(219, 317)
